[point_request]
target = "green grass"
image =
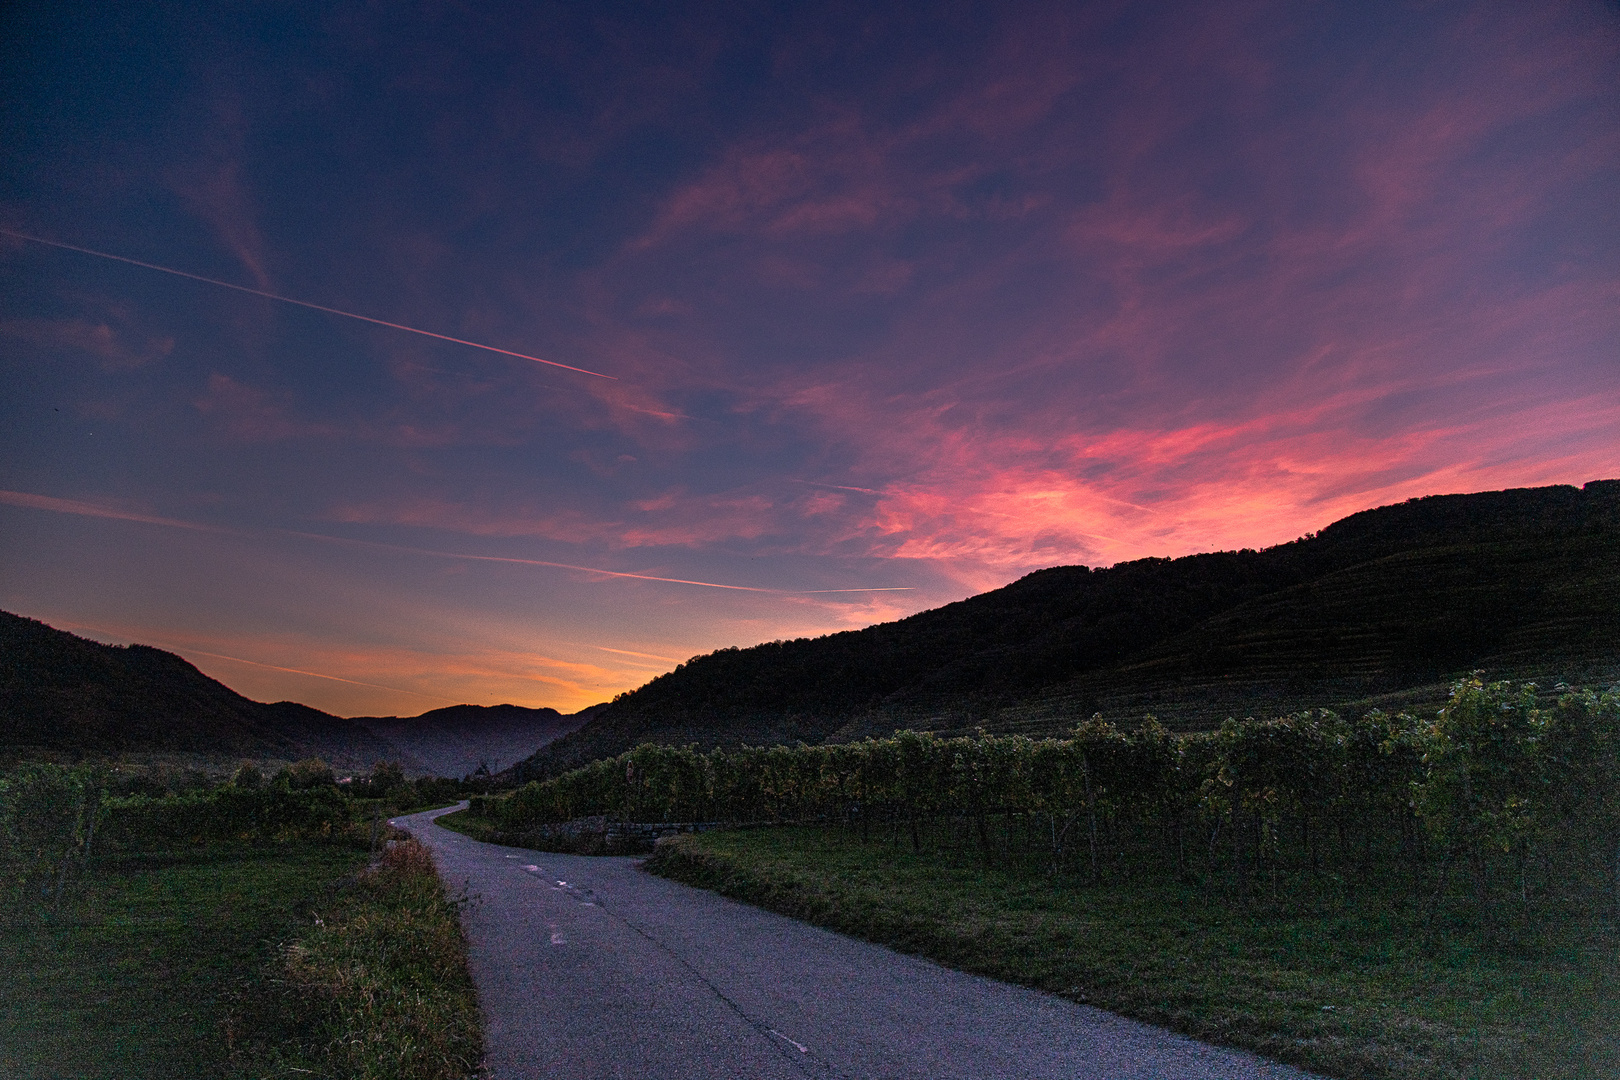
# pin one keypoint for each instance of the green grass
(493, 832)
(242, 961)
(134, 976)
(1348, 989)
(377, 989)
(464, 823)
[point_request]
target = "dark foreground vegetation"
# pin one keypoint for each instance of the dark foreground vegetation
(1398, 895)
(1381, 609)
(267, 926)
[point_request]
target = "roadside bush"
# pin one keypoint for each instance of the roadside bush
(226, 814)
(49, 819)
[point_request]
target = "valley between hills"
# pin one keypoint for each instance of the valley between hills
(1420, 884)
(1379, 610)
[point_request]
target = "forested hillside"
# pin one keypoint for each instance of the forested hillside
(1523, 582)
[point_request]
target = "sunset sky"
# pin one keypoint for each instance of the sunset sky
(887, 305)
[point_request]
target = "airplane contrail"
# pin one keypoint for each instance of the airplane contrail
(883, 588)
(300, 303)
(632, 652)
(84, 509)
(572, 566)
(316, 674)
(522, 562)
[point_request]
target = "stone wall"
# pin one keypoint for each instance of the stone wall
(601, 835)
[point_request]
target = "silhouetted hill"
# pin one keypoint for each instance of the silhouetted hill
(63, 694)
(1383, 602)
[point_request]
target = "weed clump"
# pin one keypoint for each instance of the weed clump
(376, 989)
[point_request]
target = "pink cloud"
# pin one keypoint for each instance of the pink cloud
(98, 338)
(979, 501)
(249, 414)
(216, 189)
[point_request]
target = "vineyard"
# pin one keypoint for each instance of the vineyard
(1505, 794)
(55, 819)
(233, 923)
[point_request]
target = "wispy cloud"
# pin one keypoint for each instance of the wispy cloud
(98, 337)
(898, 299)
(99, 510)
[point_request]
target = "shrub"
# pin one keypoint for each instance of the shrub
(308, 773)
(49, 819)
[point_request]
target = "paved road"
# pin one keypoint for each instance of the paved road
(589, 967)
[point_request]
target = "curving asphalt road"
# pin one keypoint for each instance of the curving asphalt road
(588, 967)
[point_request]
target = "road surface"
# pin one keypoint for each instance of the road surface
(589, 967)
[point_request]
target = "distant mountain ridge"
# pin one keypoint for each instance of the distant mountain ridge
(1383, 604)
(61, 693)
(459, 739)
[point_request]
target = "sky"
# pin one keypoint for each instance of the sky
(813, 315)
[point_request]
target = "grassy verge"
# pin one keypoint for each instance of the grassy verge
(1345, 989)
(241, 961)
(464, 823)
(376, 987)
(491, 832)
(133, 976)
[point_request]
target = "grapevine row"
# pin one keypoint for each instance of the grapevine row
(1500, 788)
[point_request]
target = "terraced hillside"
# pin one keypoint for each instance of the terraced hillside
(1391, 632)
(1382, 606)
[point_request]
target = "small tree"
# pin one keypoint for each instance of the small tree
(1485, 785)
(385, 776)
(309, 773)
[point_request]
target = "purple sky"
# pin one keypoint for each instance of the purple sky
(914, 299)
